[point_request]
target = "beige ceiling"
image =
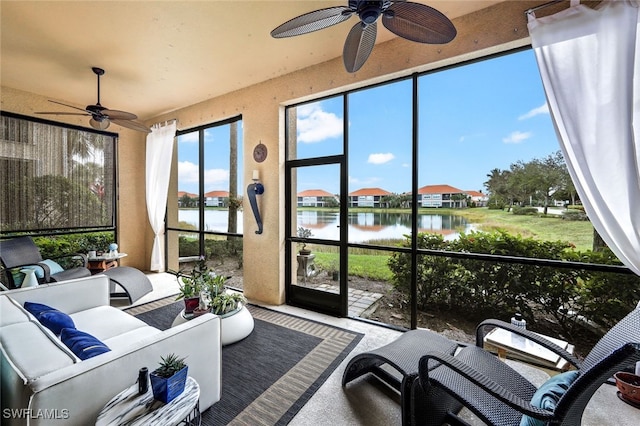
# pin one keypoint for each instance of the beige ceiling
(163, 55)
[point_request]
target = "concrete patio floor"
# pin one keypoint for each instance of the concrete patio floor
(366, 402)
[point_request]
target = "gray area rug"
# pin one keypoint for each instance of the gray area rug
(269, 376)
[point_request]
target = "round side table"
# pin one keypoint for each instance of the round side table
(130, 408)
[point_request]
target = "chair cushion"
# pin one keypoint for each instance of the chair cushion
(82, 344)
(54, 268)
(51, 318)
(548, 395)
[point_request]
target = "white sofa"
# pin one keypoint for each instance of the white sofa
(43, 382)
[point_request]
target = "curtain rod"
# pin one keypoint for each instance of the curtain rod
(542, 6)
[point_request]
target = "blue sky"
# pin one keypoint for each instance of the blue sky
(472, 119)
(216, 153)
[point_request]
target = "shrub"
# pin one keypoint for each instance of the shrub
(525, 211)
(497, 288)
(60, 245)
(574, 214)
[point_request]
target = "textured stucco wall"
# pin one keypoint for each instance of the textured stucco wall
(491, 30)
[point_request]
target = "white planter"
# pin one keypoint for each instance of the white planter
(235, 325)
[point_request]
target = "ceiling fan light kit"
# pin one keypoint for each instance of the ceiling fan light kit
(102, 117)
(412, 21)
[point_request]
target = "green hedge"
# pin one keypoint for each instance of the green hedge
(60, 245)
(498, 289)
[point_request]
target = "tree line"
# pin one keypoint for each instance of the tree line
(536, 182)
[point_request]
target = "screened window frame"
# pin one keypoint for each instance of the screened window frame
(201, 197)
(414, 251)
(111, 227)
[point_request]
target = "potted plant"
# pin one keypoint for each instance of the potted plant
(205, 291)
(334, 271)
(219, 300)
(304, 233)
(168, 380)
(190, 286)
(189, 291)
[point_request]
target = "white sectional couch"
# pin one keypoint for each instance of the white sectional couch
(43, 382)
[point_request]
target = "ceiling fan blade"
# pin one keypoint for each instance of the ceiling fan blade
(418, 22)
(63, 113)
(134, 125)
(119, 115)
(70, 106)
(312, 21)
(359, 45)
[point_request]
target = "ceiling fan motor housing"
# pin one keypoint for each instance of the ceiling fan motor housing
(369, 10)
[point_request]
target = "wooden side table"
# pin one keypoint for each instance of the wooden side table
(132, 409)
(102, 263)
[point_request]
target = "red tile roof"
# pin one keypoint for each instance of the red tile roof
(188, 194)
(439, 189)
(475, 194)
(369, 191)
(314, 193)
(222, 194)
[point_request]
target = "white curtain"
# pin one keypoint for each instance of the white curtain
(158, 165)
(589, 61)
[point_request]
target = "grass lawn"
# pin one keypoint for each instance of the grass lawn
(543, 228)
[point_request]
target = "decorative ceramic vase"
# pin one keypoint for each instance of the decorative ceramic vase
(168, 389)
(30, 279)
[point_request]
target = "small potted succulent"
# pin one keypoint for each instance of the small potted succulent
(169, 379)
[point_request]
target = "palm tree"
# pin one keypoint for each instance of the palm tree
(232, 226)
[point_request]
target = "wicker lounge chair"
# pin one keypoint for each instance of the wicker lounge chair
(451, 375)
(396, 364)
(22, 251)
(499, 395)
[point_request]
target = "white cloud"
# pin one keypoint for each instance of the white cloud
(187, 172)
(406, 165)
(517, 137)
(214, 178)
(316, 125)
(189, 138)
(363, 182)
(380, 158)
(542, 109)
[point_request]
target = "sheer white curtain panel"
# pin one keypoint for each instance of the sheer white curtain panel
(589, 61)
(158, 165)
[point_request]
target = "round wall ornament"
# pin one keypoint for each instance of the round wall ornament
(260, 152)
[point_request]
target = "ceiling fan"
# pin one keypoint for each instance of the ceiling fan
(101, 117)
(410, 20)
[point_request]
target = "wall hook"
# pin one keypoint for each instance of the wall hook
(253, 189)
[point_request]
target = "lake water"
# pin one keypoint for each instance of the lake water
(363, 226)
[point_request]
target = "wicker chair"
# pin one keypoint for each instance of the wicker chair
(396, 364)
(499, 395)
(22, 251)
